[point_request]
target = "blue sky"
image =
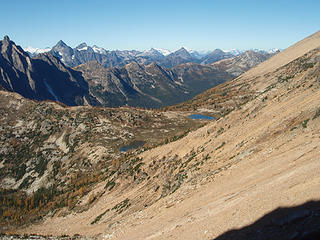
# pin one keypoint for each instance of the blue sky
(170, 24)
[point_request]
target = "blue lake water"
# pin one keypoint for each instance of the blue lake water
(200, 116)
(132, 146)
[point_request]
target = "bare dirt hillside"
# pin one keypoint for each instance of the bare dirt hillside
(261, 156)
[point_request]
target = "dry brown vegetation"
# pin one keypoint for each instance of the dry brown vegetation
(52, 155)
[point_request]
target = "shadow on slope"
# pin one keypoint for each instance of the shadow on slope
(295, 223)
(57, 82)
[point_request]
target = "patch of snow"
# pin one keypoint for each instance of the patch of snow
(189, 50)
(273, 50)
(150, 52)
(72, 57)
(83, 49)
(240, 51)
(36, 51)
(100, 50)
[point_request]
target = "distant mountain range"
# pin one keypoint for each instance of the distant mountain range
(115, 58)
(242, 63)
(140, 79)
(46, 77)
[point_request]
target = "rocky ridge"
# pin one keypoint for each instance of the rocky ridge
(149, 85)
(242, 63)
(116, 58)
(42, 78)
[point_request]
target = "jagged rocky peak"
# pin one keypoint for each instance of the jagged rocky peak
(5, 43)
(6, 38)
(182, 50)
(82, 46)
(98, 49)
(61, 44)
(217, 51)
(154, 51)
(215, 56)
(14, 54)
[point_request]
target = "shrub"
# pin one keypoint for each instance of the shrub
(305, 122)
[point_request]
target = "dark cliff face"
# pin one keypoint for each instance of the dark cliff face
(16, 69)
(42, 78)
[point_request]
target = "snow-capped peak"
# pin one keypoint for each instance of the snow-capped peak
(235, 51)
(151, 50)
(273, 50)
(189, 50)
(36, 51)
(82, 47)
(197, 53)
(97, 49)
(164, 52)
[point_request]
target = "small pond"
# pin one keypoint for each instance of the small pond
(132, 146)
(200, 116)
